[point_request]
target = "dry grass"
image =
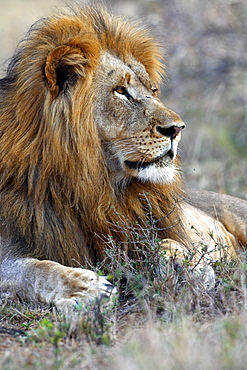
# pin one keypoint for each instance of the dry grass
(185, 344)
(182, 344)
(164, 319)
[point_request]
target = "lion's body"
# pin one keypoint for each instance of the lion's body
(86, 150)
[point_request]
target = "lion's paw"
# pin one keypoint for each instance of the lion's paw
(204, 274)
(82, 287)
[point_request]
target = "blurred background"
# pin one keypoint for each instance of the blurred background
(206, 54)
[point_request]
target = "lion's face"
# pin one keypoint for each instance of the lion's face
(139, 134)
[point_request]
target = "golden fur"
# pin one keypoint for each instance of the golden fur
(48, 174)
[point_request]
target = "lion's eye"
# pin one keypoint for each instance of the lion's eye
(121, 90)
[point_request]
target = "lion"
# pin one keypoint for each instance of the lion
(86, 150)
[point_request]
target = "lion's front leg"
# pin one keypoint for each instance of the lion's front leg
(50, 282)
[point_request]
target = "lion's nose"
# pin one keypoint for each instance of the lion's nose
(171, 131)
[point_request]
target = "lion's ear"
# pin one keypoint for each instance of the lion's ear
(66, 63)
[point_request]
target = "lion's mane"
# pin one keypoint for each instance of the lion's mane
(58, 200)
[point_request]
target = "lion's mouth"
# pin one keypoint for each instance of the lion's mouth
(158, 160)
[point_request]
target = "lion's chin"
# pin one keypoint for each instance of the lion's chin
(161, 171)
(157, 174)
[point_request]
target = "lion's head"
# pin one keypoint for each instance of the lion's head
(84, 137)
(139, 134)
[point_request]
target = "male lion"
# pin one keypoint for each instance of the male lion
(86, 149)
